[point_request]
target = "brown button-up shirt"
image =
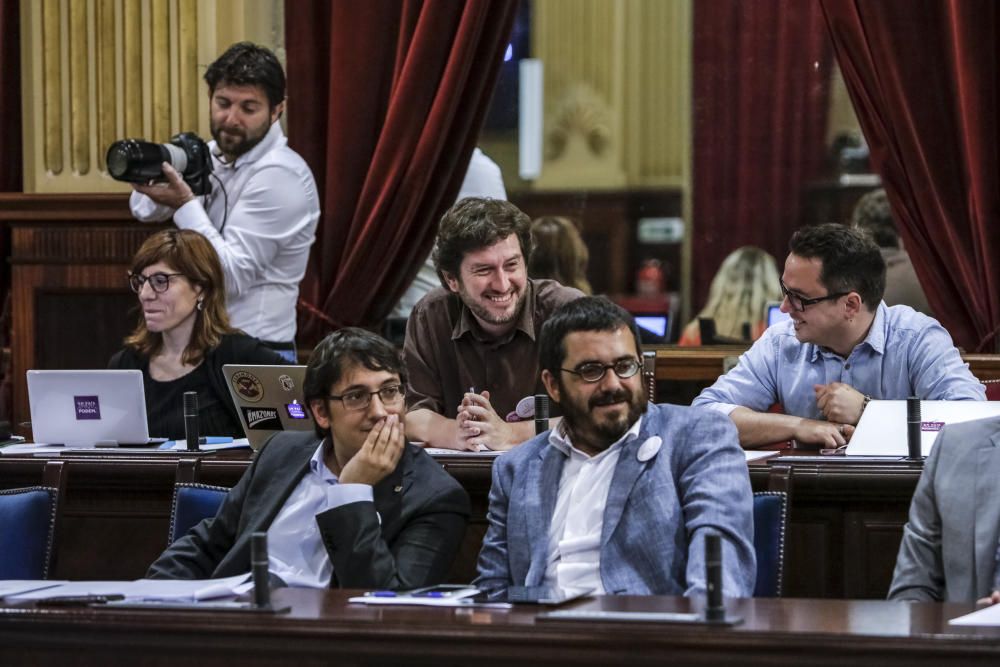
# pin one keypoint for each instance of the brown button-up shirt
(447, 352)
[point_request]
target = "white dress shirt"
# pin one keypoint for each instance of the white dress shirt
(574, 556)
(295, 547)
(270, 208)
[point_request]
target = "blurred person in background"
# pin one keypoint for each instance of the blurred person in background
(559, 253)
(747, 280)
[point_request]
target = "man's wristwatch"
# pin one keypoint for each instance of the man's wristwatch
(864, 403)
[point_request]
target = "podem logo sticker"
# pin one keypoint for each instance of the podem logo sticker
(259, 419)
(248, 386)
(87, 407)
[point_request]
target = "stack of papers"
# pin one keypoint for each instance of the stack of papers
(140, 590)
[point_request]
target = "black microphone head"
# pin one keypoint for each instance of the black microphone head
(913, 409)
(258, 547)
(541, 406)
(190, 404)
(713, 548)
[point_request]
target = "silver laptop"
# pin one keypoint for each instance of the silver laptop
(268, 399)
(882, 428)
(88, 408)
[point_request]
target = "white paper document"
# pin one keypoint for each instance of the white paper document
(21, 586)
(143, 589)
(482, 453)
(986, 616)
(883, 427)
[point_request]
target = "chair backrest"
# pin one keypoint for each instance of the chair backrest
(192, 502)
(28, 520)
(770, 517)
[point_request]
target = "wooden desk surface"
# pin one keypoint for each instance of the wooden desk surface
(323, 629)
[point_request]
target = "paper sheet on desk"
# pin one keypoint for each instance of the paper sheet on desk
(483, 452)
(145, 589)
(408, 600)
(11, 587)
(988, 616)
(36, 449)
(213, 444)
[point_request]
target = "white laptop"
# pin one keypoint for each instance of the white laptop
(882, 428)
(268, 399)
(88, 408)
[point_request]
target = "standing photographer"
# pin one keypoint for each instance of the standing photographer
(262, 210)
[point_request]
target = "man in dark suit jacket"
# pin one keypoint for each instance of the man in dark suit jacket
(356, 508)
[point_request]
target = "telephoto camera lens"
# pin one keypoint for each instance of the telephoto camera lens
(136, 161)
(139, 161)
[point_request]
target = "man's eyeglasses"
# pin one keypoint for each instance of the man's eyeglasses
(359, 399)
(800, 303)
(593, 371)
(160, 282)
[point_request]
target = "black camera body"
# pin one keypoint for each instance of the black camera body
(139, 161)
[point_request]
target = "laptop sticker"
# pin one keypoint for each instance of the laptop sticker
(286, 382)
(248, 386)
(87, 407)
(262, 418)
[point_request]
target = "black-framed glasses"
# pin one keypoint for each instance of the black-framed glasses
(359, 399)
(800, 303)
(160, 282)
(594, 371)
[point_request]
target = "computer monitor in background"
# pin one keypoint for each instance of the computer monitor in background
(773, 314)
(654, 328)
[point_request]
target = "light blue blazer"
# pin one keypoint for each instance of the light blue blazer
(683, 477)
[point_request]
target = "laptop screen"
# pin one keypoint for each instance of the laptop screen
(268, 399)
(653, 327)
(87, 407)
(773, 314)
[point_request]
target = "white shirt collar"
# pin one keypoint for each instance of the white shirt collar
(318, 466)
(559, 439)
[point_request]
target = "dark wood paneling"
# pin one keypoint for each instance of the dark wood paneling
(846, 516)
(69, 301)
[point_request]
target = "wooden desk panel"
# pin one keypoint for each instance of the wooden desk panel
(846, 520)
(323, 629)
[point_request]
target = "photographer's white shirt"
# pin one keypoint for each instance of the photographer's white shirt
(266, 210)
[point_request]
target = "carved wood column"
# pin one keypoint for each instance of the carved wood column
(95, 71)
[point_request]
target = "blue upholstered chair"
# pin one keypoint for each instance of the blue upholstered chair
(770, 516)
(28, 520)
(193, 502)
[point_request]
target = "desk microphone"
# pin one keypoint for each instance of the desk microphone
(258, 568)
(913, 429)
(715, 610)
(191, 420)
(541, 413)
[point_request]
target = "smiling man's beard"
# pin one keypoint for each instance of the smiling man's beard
(599, 436)
(485, 314)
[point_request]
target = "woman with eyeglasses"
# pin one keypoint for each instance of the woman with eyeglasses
(183, 336)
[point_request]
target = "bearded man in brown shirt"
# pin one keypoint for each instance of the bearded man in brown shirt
(470, 348)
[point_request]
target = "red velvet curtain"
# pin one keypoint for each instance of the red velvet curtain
(10, 164)
(924, 80)
(761, 89)
(386, 100)
(10, 101)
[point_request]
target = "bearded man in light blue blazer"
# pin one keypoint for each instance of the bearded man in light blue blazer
(619, 497)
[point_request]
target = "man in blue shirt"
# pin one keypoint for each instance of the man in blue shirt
(842, 347)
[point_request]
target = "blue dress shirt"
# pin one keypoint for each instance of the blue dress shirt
(905, 354)
(296, 553)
